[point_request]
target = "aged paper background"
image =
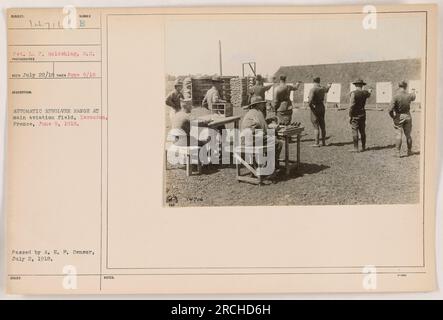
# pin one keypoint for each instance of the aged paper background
(142, 234)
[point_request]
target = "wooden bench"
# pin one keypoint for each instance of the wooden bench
(187, 152)
(240, 153)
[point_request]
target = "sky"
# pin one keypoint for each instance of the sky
(191, 43)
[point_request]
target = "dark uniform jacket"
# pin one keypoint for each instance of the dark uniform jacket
(173, 100)
(401, 103)
(358, 102)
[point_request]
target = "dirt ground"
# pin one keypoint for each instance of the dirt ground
(327, 176)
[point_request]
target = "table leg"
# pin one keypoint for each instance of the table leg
(199, 166)
(188, 165)
(237, 166)
(235, 144)
(298, 151)
(288, 169)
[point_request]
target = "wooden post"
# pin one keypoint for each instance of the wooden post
(298, 151)
(237, 143)
(288, 169)
(220, 57)
(188, 165)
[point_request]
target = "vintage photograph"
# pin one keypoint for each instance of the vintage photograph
(294, 110)
(221, 150)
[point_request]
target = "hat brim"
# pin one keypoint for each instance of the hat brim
(253, 104)
(360, 82)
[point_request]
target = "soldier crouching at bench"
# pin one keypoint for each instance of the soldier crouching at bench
(181, 127)
(254, 121)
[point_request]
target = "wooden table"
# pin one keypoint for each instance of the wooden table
(286, 134)
(218, 121)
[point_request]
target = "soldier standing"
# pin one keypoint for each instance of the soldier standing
(257, 92)
(357, 114)
(174, 98)
(213, 94)
(282, 100)
(400, 113)
(316, 104)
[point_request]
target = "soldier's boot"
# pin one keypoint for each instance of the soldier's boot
(355, 149)
(323, 139)
(363, 142)
(323, 135)
(355, 140)
(409, 142)
(317, 139)
(398, 143)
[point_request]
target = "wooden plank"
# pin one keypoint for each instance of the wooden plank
(222, 121)
(249, 179)
(245, 164)
(290, 132)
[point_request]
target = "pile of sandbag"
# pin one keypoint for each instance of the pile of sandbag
(187, 88)
(239, 91)
(225, 91)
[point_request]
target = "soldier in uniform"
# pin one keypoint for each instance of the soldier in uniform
(258, 91)
(254, 120)
(400, 113)
(282, 100)
(181, 126)
(212, 95)
(316, 104)
(357, 114)
(174, 98)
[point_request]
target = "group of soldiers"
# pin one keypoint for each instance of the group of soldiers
(399, 109)
(256, 116)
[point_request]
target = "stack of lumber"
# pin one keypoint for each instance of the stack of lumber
(225, 92)
(239, 91)
(187, 88)
(251, 81)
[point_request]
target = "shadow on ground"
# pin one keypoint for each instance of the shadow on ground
(304, 169)
(375, 148)
(312, 139)
(339, 144)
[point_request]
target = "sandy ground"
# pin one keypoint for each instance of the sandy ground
(327, 176)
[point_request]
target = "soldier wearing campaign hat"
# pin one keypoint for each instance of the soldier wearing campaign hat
(173, 100)
(400, 114)
(254, 120)
(357, 113)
